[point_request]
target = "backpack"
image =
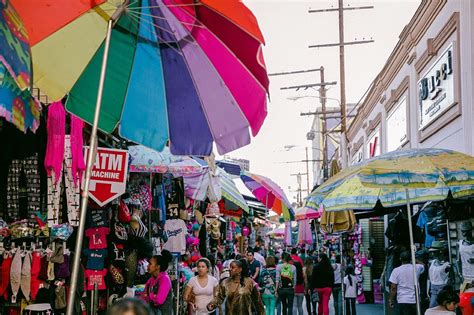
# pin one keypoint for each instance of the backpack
(267, 282)
(286, 276)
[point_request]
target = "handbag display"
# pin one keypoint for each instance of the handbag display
(314, 296)
(338, 221)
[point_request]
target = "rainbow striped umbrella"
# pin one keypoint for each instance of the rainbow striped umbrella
(185, 72)
(268, 193)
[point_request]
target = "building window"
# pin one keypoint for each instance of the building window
(373, 145)
(397, 126)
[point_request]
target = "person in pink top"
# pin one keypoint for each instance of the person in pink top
(158, 291)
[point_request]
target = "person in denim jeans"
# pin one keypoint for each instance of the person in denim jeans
(286, 282)
(267, 283)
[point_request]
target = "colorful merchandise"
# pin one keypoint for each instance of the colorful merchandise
(97, 237)
(176, 231)
(95, 276)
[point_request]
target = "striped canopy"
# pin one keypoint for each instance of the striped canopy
(428, 174)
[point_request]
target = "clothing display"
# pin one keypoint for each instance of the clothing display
(97, 237)
(466, 252)
(176, 231)
(95, 277)
(23, 189)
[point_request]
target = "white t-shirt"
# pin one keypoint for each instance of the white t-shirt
(176, 231)
(436, 311)
(351, 290)
(403, 277)
(204, 295)
(337, 273)
(259, 258)
(437, 272)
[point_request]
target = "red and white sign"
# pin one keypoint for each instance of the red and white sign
(109, 175)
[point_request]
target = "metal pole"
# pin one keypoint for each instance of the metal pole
(307, 171)
(342, 79)
(413, 259)
(449, 241)
(342, 281)
(322, 94)
(90, 159)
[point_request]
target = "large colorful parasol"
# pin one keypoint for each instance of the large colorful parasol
(268, 193)
(184, 71)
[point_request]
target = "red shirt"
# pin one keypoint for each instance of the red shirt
(297, 258)
(96, 276)
(97, 237)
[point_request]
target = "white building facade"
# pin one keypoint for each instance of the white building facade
(423, 97)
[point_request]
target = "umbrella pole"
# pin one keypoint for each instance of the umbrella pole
(90, 159)
(413, 259)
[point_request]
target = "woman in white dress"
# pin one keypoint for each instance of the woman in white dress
(201, 289)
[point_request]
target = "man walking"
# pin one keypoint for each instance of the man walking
(402, 285)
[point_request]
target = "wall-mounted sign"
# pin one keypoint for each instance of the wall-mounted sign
(109, 175)
(373, 145)
(436, 88)
(397, 126)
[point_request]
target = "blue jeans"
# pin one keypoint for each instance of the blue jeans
(337, 299)
(270, 303)
(434, 290)
(299, 303)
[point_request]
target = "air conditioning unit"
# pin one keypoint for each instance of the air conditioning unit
(310, 136)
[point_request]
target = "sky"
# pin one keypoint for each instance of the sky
(288, 30)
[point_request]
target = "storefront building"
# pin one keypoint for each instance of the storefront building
(422, 97)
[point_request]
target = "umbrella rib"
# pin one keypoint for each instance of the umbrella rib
(158, 36)
(163, 18)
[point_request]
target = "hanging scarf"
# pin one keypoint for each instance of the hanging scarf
(55, 125)
(78, 165)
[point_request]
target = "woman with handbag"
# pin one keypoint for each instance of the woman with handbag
(322, 281)
(201, 289)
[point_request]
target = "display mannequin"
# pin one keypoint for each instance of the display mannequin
(438, 272)
(466, 255)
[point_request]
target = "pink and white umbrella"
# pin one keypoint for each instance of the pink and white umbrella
(306, 213)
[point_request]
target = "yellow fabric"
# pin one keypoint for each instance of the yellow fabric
(59, 60)
(338, 222)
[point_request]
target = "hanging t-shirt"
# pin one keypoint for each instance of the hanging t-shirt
(95, 258)
(97, 218)
(97, 237)
(422, 223)
(176, 231)
(117, 253)
(175, 198)
(95, 276)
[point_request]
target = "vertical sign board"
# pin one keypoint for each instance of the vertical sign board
(109, 175)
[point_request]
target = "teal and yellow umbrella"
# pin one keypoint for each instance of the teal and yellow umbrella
(395, 179)
(428, 174)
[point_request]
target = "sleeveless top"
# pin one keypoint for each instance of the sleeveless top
(466, 252)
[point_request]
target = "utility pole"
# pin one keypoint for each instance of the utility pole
(342, 71)
(299, 196)
(322, 96)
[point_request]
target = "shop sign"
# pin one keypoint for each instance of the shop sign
(436, 88)
(109, 175)
(232, 213)
(373, 146)
(397, 126)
